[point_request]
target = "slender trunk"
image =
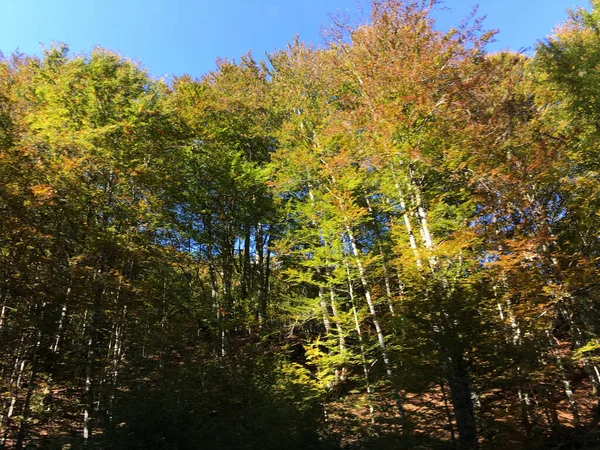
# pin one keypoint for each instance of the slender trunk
(267, 276)
(30, 386)
(336, 318)
(448, 413)
(591, 367)
(362, 346)
(219, 312)
(89, 396)
(61, 324)
(91, 359)
(386, 275)
(527, 414)
(340, 374)
(326, 323)
(19, 369)
(550, 410)
(524, 402)
(324, 311)
(388, 285)
(422, 216)
(411, 236)
(117, 353)
(63, 317)
(2, 316)
(246, 277)
(15, 383)
(5, 308)
(374, 318)
(262, 272)
(565, 381)
(522, 394)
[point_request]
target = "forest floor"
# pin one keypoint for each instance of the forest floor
(349, 424)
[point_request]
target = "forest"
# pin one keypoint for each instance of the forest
(390, 241)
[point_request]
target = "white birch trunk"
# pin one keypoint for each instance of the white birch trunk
(411, 236)
(2, 316)
(61, 324)
(362, 346)
(374, 318)
(324, 311)
(15, 384)
(339, 373)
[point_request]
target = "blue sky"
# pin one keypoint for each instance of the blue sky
(173, 37)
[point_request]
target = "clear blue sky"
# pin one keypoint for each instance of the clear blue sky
(173, 37)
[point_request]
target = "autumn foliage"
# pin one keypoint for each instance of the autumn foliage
(388, 241)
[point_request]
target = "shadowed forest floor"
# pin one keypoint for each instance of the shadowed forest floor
(347, 426)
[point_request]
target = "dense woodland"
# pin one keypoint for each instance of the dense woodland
(388, 241)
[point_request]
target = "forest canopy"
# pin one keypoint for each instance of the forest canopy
(388, 241)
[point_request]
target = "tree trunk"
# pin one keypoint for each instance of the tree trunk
(591, 367)
(261, 242)
(91, 359)
(340, 374)
(448, 414)
(374, 318)
(30, 386)
(324, 311)
(362, 346)
(15, 382)
(565, 381)
(461, 394)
